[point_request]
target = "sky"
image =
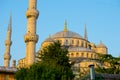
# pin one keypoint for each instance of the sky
(102, 19)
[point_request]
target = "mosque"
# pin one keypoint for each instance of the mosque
(80, 48)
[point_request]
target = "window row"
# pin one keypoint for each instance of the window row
(74, 42)
(84, 54)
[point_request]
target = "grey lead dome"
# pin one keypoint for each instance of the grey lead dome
(66, 34)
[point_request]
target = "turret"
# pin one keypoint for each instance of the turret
(101, 48)
(14, 63)
(31, 37)
(8, 43)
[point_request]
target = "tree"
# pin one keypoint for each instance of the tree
(55, 56)
(21, 74)
(110, 64)
(53, 64)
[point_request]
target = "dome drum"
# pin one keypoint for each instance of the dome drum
(66, 34)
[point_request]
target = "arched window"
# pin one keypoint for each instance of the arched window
(82, 54)
(78, 42)
(91, 55)
(87, 55)
(68, 55)
(66, 42)
(72, 41)
(60, 41)
(72, 55)
(77, 54)
(89, 46)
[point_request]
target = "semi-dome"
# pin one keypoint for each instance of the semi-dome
(49, 40)
(66, 34)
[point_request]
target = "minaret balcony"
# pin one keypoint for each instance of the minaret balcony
(7, 56)
(31, 37)
(32, 13)
(8, 42)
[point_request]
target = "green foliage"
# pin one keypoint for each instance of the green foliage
(21, 74)
(110, 64)
(53, 64)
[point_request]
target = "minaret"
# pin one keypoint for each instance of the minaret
(31, 37)
(14, 63)
(65, 26)
(85, 33)
(8, 43)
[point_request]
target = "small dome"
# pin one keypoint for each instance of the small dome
(101, 45)
(49, 40)
(66, 34)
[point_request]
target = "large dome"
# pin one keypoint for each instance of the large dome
(66, 34)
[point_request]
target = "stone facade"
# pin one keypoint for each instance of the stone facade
(79, 47)
(7, 73)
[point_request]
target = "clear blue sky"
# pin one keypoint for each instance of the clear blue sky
(102, 18)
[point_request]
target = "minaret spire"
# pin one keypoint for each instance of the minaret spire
(65, 26)
(10, 22)
(8, 43)
(85, 33)
(31, 37)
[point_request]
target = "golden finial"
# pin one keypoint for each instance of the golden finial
(65, 26)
